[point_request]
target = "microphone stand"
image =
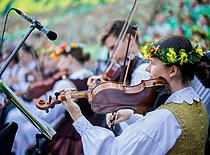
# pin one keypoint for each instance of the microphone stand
(14, 52)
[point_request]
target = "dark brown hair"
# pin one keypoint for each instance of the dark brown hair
(78, 54)
(115, 28)
(188, 70)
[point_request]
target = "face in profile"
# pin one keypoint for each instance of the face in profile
(157, 69)
(119, 53)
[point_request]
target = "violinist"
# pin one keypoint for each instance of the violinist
(25, 136)
(137, 73)
(28, 60)
(109, 38)
(14, 75)
(179, 126)
(72, 57)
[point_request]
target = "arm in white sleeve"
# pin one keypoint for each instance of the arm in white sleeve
(96, 140)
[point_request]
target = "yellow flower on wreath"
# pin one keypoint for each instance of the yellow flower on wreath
(199, 51)
(183, 56)
(145, 51)
(171, 55)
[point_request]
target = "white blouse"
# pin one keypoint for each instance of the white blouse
(154, 133)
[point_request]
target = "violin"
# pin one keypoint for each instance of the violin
(113, 74)
(140, 98)
(38, 88)
(115, 69)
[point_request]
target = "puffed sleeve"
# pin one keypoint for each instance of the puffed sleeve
(94, 137)
(155, 133)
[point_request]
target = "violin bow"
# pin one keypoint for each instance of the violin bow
(125, 59)
(122, 34)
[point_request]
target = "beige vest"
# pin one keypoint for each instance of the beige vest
(194, 123)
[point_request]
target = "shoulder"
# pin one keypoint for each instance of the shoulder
(81, 74)
(64, 83)
(159, 121)
(140, 74)
(155, 129)
(141, 69)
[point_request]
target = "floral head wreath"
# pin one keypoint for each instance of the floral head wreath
(49, 49)
(169, 56)
(64, 48)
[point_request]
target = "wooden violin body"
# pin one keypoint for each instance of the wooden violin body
(113, 74)
(111, 96)
(38, 88)
(140, 97)
(115, 69)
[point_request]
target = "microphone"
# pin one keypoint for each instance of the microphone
(50, 34)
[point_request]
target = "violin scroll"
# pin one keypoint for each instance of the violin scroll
(41, 104)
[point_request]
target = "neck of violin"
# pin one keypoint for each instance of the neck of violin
(77, 94)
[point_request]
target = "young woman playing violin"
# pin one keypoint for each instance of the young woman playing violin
(179, 126)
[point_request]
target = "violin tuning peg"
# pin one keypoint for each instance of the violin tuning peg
(98, 80)
(50, 99)
(154, 83)
(41, 101)
(56, 94)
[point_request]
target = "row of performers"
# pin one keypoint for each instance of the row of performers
(65, 68)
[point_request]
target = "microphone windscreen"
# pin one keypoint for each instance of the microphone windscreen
(52, 35)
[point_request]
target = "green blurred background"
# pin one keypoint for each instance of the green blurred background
(83, 20)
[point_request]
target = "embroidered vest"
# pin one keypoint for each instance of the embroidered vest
(193, 119)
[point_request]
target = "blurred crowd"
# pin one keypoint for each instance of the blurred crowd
(190, 18)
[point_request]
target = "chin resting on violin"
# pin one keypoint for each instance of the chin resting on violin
(179, 126)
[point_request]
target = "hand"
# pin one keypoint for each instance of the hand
(92, 81)
(71, 107)
(119, 116)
